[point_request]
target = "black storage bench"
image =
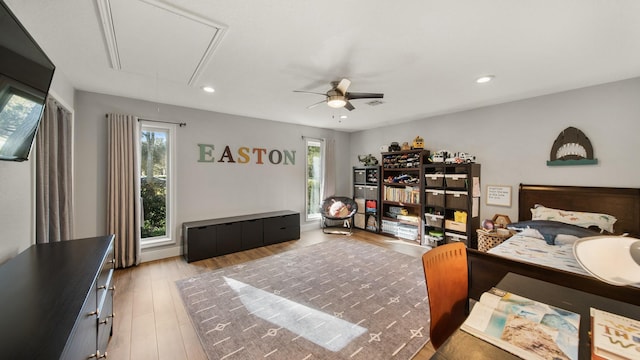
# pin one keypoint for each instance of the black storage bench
(209, 238)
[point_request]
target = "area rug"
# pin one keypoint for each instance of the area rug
(339, 299)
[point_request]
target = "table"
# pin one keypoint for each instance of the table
(462, 345)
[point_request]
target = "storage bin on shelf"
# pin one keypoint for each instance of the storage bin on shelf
(456, 199)
(359, 176)
(359, 220)
(434, 180)
(435, 197)
(434, 220)
(490, 239)
(370, 192)
(451, 237)
(360, 203)
(455, 226)
(358, 191)
(456, 180)
(433, 238)
(407, 232)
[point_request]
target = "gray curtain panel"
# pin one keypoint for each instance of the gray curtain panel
(54, 202)
(123, 188)
(329, 181)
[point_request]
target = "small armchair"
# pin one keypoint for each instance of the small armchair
(340, 210)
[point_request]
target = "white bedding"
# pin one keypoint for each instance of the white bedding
(537, 251)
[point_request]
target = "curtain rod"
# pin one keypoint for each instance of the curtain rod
(159, 121)
(164, 122)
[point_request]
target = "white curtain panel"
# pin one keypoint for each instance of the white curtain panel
(123, 188)
(54, 202)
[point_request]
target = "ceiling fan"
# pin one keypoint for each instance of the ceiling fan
(338, 96)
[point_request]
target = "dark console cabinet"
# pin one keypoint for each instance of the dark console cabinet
(208, 238)
(281, 228)
(57, 301)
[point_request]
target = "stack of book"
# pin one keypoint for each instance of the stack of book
(614, 337)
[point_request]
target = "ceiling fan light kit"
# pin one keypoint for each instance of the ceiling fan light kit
(338, 96)
(336, 101)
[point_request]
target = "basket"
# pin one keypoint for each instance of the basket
(487, 240)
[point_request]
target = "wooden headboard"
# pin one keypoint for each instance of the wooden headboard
(486, 270)
(623, 203)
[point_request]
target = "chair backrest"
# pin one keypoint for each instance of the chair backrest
(446, 274)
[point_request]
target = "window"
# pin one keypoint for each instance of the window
(156, 184)
(315, 172)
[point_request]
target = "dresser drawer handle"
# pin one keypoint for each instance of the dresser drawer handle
(102, 287)
(96, 313)
(97, 355)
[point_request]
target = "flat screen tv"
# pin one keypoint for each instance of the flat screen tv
(25, 77)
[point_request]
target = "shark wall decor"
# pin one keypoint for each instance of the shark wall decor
(572, 147)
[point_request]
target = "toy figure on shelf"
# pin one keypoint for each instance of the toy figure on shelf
(418, 143)
(368, 160)
(394, 146)
(405, 146)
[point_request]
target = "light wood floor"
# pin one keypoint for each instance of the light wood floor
(151, 321)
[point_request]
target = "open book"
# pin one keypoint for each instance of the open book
(614, 337)
(526, 328)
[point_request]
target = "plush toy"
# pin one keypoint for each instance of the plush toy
(405, 146)
(338, 209)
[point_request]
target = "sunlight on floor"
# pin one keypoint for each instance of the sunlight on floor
(328, 331)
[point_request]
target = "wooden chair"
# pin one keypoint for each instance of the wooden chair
(446, 273)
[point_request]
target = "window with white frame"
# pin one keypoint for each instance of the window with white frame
(315, 176)
(157, 179)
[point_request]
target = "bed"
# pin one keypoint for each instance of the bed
(486, 269)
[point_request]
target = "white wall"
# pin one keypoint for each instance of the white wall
(513, 141)
(204, 190)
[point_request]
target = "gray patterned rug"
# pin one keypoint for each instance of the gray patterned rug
(339, 299)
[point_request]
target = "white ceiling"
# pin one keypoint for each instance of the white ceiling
(424, 55)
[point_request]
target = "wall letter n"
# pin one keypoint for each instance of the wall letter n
(206, 153)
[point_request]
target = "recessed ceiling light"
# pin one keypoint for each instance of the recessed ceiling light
(484, 79)
(343, 116)
(208, 89)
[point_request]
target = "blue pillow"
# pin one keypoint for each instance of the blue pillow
(549, 229)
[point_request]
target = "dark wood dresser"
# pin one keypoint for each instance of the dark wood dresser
(56, 300)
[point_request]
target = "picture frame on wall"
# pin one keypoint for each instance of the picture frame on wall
(499, 195)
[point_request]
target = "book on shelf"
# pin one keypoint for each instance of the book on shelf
(526, 328)
(614, 337)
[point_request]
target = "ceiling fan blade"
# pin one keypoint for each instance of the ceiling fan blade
(309, 92)
(316, 104)
(343, 85)
(348, 106)
(352, 96)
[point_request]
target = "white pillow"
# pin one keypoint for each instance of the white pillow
(583, 219)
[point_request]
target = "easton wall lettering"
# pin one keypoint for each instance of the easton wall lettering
(246, 155)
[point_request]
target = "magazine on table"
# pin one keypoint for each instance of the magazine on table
(529, 329)
(614, 337)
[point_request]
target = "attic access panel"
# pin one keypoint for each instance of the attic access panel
(156, 39)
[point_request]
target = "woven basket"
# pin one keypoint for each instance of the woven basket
(487, 240)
